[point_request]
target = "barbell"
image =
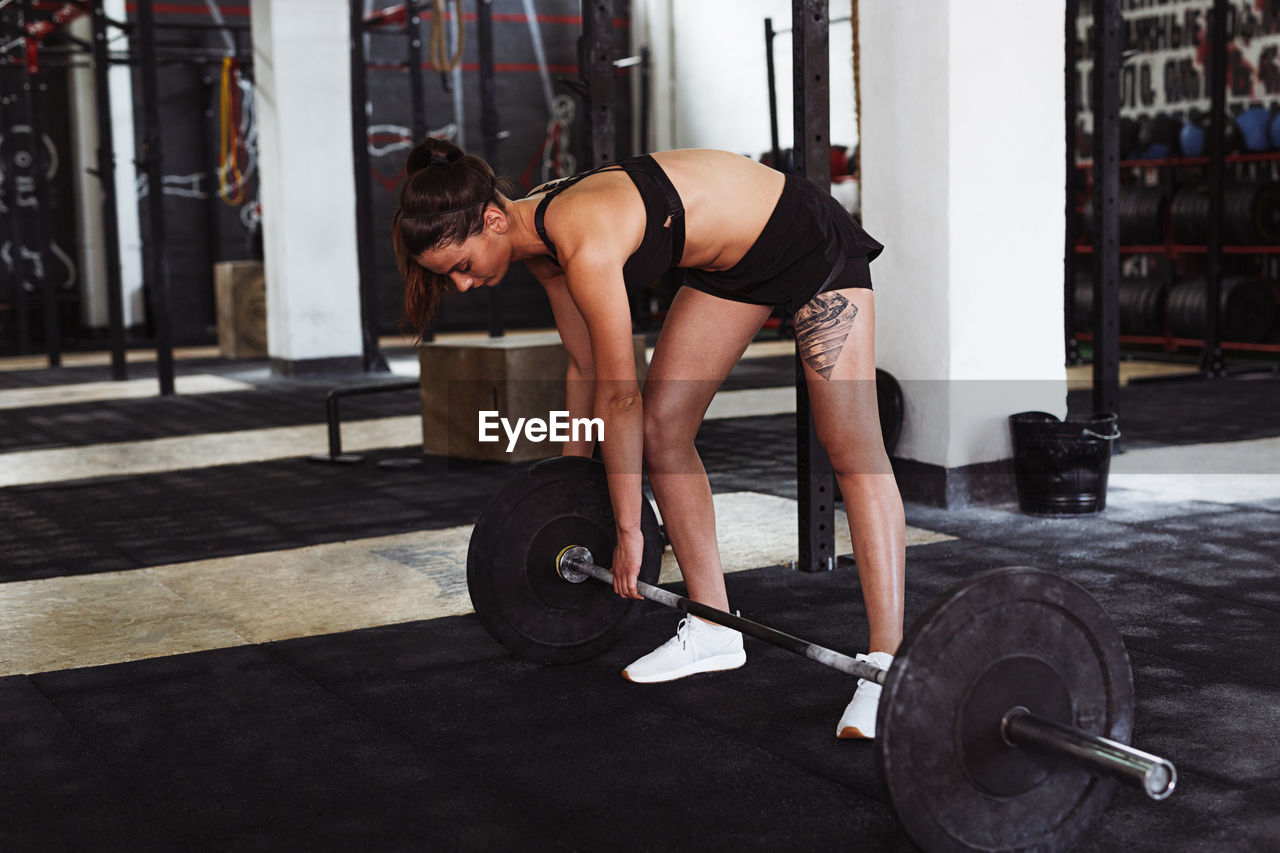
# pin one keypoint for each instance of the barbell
(1004, 720)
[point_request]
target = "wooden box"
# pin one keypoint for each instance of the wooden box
(240, 289)
(518, 376)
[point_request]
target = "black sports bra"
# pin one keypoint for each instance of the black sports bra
(662, 245)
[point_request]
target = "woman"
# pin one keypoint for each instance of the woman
(749, 239)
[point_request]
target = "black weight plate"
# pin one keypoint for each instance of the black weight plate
(1149, 215)
(1142, 306)
(1191, 217)
(1003, 638)
(1128, 223)
(1248, 309)
(1237, 215)
(1266, 215)
(1082, 303)
(511, 562)
(1187, 307)
(890, 402)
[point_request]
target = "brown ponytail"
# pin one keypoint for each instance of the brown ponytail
(443, 201)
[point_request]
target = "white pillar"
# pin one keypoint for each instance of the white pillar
(963, 155)
(90, 252)
(302, 73)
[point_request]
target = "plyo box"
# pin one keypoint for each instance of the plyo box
(240, 290)
(518, 376)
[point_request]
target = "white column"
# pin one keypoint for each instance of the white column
(90, 254)
(303, 89)
(963, 180)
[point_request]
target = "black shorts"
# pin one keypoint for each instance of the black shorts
(810, 245)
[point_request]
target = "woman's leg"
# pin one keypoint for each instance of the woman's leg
(835, 333)
(702, 338)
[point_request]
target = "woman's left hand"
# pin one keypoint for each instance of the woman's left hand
(626, 563)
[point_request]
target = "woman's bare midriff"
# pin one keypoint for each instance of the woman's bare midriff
(727, 200)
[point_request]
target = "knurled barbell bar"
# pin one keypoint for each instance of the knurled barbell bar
(1003, 722)
(1155, 776)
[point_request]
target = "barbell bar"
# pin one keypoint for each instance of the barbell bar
(575, 565)
(1019, 727)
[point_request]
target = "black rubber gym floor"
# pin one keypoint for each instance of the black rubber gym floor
(429, 736)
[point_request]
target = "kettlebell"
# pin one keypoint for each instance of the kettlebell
(1253, 128)
(1191, 136)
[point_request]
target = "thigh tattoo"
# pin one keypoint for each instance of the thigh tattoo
(822, 326)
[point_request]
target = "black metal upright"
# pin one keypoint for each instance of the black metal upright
(374, 361)
(155, 240)
(646, 97)
(38, 235)
(489, 133)
(9, 103)
(488, 82)
(1211, 361)
(417, 88)
(212, 93)
(152, 159)
(596, 61)
(815, 484)
(776, 146)
(1072, 174)
(107, 186)
(1109, 42)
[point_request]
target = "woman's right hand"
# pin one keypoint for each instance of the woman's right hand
(626, 563)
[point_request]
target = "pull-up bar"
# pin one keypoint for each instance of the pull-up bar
(846, 19)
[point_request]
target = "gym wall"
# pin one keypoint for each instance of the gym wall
(207, 222)
(710, 84)
(525, 154)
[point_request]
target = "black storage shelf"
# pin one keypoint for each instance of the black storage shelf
(1172, 251)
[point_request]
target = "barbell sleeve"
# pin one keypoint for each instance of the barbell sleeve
(579, 559)
(1154, 775)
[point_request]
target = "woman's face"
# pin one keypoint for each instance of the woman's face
(480, 261)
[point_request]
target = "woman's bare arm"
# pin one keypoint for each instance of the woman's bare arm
(579, 389)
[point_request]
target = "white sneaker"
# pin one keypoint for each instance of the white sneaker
(698, 646)
(859, 718)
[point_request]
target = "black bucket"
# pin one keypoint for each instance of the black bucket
(1061, 466)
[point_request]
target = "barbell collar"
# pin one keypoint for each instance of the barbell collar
(575, 561)
(1154, 775)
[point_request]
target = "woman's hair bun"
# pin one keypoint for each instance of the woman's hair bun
(433, 152)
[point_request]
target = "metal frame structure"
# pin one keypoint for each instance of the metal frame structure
(374, 360)
(595, 64)
(815, 484)
(411, 32)
(1106, 162)
(147, 55)
(155, 258)
(1106, 165)
(811, 158)
(771, 75)
(490, 133)
(1072, 92)
(20, 310)
(107, 183)
(775, 145)
(24, 104)
(1211, 363)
